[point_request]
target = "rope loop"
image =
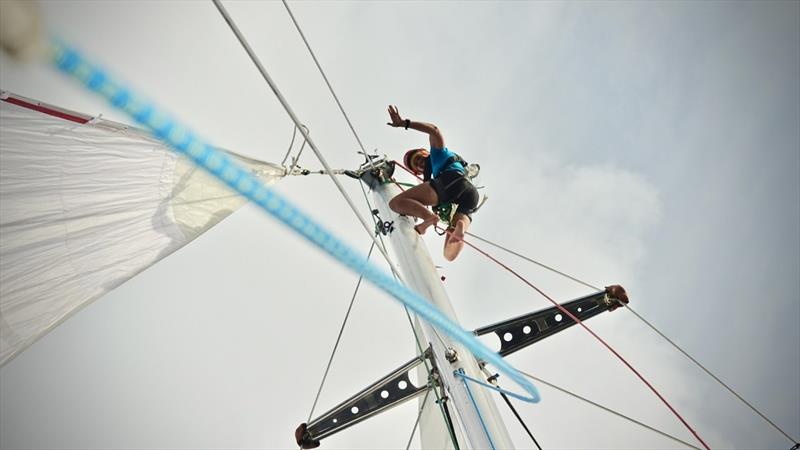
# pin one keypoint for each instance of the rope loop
(534, 398)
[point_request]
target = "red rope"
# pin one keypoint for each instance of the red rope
(579, 322)
(611, 349)
(407, 170)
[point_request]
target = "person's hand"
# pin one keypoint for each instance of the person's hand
(394, 115)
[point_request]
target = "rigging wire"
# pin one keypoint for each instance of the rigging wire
(322, 72)
(394, 271)
(338, 338)
(722, 383)
(417, 340)
(652, 327)
(584, 326)
(419, 414)
(435, 332)
(439, 337)
(349, 201)
(551, 269)
(604, 408)
(183, 140)
(601, 340)
(586, 400)
(294, 118)
(493, 380)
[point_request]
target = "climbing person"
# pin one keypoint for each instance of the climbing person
(444, 181)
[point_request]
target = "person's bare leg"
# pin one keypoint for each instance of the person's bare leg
(415, 202)
(454, 241)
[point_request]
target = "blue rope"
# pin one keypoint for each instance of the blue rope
(460, 372)
(496, 388)
(185, 141)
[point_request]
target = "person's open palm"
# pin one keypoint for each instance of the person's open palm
(394, 114)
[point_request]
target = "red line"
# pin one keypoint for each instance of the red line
(46, 110)
(407, 170)
(579, 322)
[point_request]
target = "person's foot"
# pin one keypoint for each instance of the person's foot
(456, 234)
(453, 243)
(421, 228)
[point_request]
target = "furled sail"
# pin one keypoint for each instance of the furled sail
(86, 204)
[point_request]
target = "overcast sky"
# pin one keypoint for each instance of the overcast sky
(651, 144)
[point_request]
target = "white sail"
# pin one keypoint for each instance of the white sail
(86, 204)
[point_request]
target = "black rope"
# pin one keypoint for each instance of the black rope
(522, 422)
(493, 379)
(449, 421)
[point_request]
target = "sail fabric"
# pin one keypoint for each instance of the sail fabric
(85, 207)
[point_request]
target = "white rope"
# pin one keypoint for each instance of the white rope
(296, 159)
(291, 144)
(289, 151)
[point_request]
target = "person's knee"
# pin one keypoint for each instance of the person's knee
(395, 202)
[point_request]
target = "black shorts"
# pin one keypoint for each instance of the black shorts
(453, 187)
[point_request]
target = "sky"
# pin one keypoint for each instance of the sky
(651, 144)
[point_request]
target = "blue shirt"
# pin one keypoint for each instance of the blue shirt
(438, 160)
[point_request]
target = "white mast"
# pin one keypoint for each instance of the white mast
(480, 421)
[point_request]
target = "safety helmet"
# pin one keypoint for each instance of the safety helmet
(411, 157)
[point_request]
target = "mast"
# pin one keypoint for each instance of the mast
(469, 413)
(478, 417)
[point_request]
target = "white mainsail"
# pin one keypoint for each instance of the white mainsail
(86, 204)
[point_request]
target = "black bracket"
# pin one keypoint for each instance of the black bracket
(522, 331)
(389, 391)
(383, 227)
(376, 172)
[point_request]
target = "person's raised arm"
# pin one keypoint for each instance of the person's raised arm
(436, 138)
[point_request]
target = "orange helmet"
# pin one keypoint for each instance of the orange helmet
(412, 156)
